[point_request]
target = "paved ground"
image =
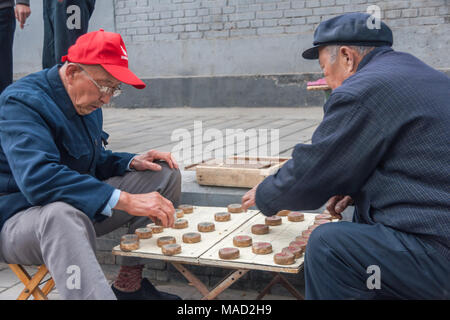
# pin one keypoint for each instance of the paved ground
(11, 287)
(137, 130)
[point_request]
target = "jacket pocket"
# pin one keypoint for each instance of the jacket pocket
(76, 150)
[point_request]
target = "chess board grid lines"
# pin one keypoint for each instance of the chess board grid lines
(191, 252)
(278, 236)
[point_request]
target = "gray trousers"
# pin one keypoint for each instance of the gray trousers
(64, 238)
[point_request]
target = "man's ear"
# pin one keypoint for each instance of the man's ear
(71, 72)
(348, 58)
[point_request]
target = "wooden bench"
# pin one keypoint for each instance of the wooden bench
(320, 85)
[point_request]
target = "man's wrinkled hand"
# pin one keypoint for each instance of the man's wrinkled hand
(337, 204)
(22, 12)
(151, 205)
(248, 200)
(146, 161)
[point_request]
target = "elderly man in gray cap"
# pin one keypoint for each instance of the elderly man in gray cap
(383, 145)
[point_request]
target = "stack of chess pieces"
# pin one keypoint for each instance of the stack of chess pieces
(289, 254)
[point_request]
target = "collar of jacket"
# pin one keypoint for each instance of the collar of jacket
(62, 99)
(375, 52)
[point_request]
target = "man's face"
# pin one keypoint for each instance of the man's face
(84, 93)
(339, 67)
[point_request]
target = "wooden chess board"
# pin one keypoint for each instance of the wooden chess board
(205, 252)
(190, 252)
(279, 237)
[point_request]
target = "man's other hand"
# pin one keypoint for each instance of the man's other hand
(248, 200)
(151, 205)
(337, 204)
(22, 13)
(146, 161)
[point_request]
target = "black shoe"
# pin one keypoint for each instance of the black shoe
(146, 292)
(152, 291)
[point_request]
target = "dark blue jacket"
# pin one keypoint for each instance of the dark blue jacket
(49, 153)
(385, 141)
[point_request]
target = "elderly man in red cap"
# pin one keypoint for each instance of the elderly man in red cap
(60, 187)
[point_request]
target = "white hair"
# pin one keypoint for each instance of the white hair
(334, 49)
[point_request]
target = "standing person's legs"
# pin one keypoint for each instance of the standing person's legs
(64, 22)
(63, 238)
(7, 28)
(71, 20)
(48, 50)
(347, 260)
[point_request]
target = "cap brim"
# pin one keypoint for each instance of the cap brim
(311, 53)
(124, 75)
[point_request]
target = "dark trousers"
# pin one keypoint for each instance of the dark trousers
(7, 28)
(344, 260)
(62, 27)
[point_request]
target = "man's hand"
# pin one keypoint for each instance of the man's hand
(22, 12)
(151, 205)
(337, 204)
(248, 200)
(145, 161)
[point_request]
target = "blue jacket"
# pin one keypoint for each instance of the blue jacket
(50, 153)
(385, 141)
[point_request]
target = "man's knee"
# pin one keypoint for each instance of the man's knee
(60, 219)
(325, 233)
(168, 180)
(176, 177)
(63, 216)
(173, 175)
(326, 239)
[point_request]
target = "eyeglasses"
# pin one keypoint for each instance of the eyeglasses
(103, 90)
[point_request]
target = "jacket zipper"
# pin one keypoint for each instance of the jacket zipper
(92, 144)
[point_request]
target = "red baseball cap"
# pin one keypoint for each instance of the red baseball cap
(106, 49)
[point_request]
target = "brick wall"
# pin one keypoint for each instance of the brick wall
(193, 52)
(155, 20)
(212, 38)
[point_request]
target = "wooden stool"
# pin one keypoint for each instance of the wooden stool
(32, 283)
